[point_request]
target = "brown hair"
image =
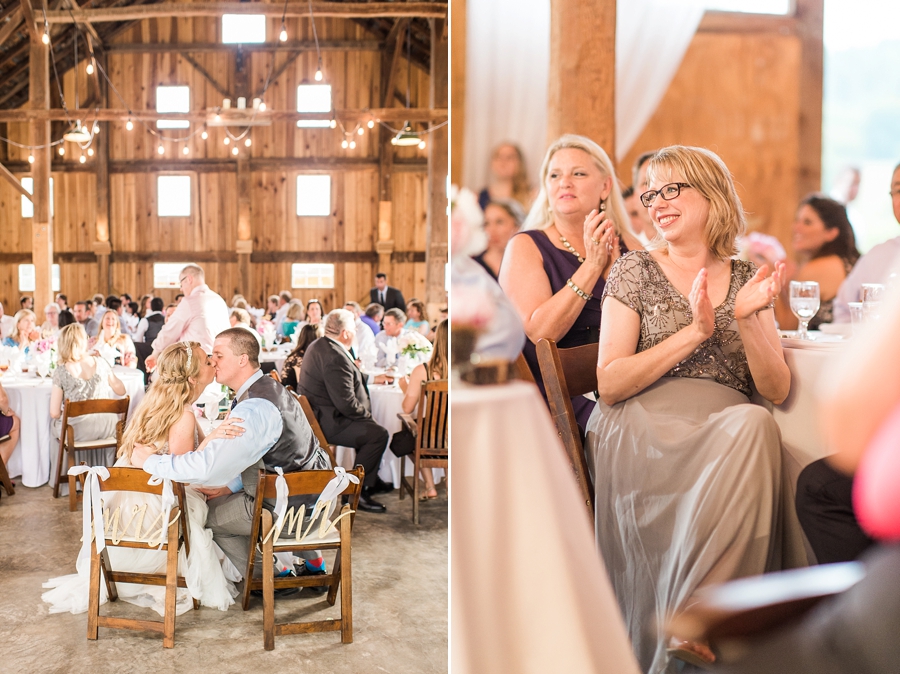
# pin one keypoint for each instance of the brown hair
(242, 342)
(438, 363)
(833, 215)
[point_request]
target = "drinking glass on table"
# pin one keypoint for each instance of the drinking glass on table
(871, 295)
(804, 304)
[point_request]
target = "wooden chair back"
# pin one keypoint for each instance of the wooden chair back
(310, 483)
(432, 447)
(177, 534)
(68, 447)
(568, 373)
(314, 423)
(524, 372)
(274, 375)
(4, 478)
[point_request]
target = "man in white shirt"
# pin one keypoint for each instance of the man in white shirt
(144, 331)
(201, 315)
(7, 324)
(284, 303)
(873, 267)
(364, 336)
(393, 323)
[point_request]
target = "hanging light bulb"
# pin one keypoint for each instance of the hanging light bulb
(90, 68)
(371, 124)
(90, 152)
(234, 150)
(262, 106)
(352, 144)
(421, 144)
(82, 159)
(248, 142)
(204, 135)
(31, 159)
(218, 117)
(61, 150)
(283, 34)
(96, 128)
(319, 75)
(186, 150)
(333, 124)
(360, 131)
(161, 149)
(227, 140)
(345, 144)
(45, 38)
(128, 125)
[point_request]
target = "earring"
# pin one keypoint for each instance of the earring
(602, 205)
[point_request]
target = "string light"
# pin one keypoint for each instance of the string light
(90, 152)
(204, 135)
(345, 144)
(248, 142)
(186, 150)
(128, 125)
(31, 159)
(262, 106)
(96, 129)
(283, 35)
(352, 144)
(218, 117)
(82, 159)
(90, 68)
(360, 131)
(61, 150)
(45, 38)
(333, 124)
(319, 75)
(421, 144)
(227, 140)
(161, 149)
(234, 150)
(371, 124)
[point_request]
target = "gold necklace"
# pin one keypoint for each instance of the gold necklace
(570, 249)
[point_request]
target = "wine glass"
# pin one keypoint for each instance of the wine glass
(804, 304)
(871, 295)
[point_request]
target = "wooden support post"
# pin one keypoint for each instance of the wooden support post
(458, 87)
(810, 17)
(581, 96)
(436, 233)
(102, 245)
(244, 244)
(42, 227)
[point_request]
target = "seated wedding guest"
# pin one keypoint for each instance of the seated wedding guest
(825, 248)
(97, 304)
(314, 314)
(65, 314)
(165, 421)
(364, 337)
(508, 179)
(239, 318)
(373, 316)
(151, 323)
(9, 425)
(555, 271)
(83, 316)
(687, 472)
(502, 219)
(50, 326)
(271, 308)
(393, 323)
(292, 318)
(178, 298)
(435, 368)
(111, 335)
(284, 298)
(26, 302)
(276, 435)
(25, 332)
(144, 304)
(873, 267)
(129, 317)
(170, 309)
(338, 395)
(645, 231)
(81, 376)
(290, 371)
(636, 216)
(417, 318)
(7, 324)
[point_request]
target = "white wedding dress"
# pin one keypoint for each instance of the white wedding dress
(209, 574)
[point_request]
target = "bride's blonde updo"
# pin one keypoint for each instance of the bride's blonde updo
(178, 370)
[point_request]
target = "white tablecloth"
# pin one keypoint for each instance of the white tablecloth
(530, 593)
(29, 396)
(278, 357)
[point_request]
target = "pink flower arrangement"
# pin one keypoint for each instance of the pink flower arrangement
(470, 307)
(45, 345)
(263, 326)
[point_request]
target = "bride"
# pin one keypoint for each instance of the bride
(163, 419)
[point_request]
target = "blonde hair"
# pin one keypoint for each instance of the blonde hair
(705, 172)
(20, 314)
(165, 400)
(296, 311)
(72, 343)
(241, 315)
(541, 216)
(117, 335)
(437, 366)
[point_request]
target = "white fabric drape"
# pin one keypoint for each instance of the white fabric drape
(507, 71)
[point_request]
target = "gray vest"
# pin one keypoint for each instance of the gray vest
(296, 449)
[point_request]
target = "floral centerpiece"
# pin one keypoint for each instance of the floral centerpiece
(44, 355)
(267, 330)
(414, 348)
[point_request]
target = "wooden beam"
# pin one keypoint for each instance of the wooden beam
(393, 59)
(457, 88)
(740, 22)
(41, 222)
(11, 26)
(7, 175)
(102, 244)
(28, 14)
(58, 258)
(407, 165)
(232, 117)
(216, 47)
(209, 78)
(438, 167)
(347, 10)
(92, 32)
(581, 96)
(810, 18)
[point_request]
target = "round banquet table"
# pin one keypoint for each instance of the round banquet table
(276, 357)
(35, 455)
(530, 593)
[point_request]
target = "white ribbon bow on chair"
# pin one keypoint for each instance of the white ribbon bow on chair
(168, 500)
(92, 503)
(281, 498)
(335, 488)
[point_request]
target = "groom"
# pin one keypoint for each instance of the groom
(276, 434)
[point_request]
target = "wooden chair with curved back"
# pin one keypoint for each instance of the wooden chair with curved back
(432, 446)
(522, 369)
(316, 428)
(274, 375)
(568, 373)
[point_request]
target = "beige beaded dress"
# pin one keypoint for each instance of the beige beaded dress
(687, 472)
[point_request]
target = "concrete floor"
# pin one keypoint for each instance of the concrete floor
(400, 601)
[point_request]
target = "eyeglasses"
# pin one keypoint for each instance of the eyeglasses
(894, 193)
(182, 280)
(667, 192)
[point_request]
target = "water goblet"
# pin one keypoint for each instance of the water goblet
(804, 304)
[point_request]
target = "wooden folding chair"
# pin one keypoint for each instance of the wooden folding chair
(178, 533)
(523, 371)
(430, 428)
(68, 447)
(4, 474)
(274, 375)
(568, 373)
(305, 482)
(317, 429)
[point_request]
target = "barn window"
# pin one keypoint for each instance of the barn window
(312, 275)
(243, 28)
(173, 99)
(173, 196)
(313, 195)
(26, 278)
(166, 274)
(27, 206)
(751, 6)
(313, 98)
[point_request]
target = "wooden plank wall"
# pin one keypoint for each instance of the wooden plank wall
(737, 92)
(210, 234)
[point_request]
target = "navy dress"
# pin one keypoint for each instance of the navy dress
(560, 265)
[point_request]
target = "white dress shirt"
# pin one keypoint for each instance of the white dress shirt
(199, 318)
(143, 325)
(279, 317)
(873, 267)
(363, 337)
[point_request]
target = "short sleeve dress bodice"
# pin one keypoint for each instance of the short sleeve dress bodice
(687, 473)
(93, 426)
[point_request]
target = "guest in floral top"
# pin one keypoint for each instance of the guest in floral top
(290, 372)
(25, 334)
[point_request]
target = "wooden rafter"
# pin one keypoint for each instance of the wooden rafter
(12, 25)
(395, 39)
(230, 117)
(321, 9)
(28, 13)
(201, 47)
(7, 175)
(206, 75)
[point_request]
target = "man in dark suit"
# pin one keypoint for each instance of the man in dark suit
(385, 295)
(337, 392)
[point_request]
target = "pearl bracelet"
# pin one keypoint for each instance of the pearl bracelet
(578, 291)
